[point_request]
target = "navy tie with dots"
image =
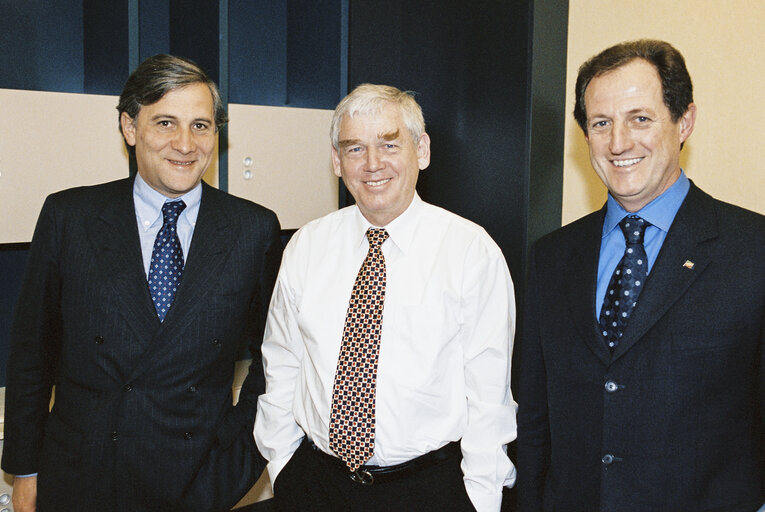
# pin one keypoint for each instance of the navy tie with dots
(626, 282)
(352, 419)
(166, 266)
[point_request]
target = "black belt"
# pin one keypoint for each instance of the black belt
(368, 475)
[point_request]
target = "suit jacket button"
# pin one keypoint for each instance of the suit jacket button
(99, 340)
(114, 435)
(192, 389)
(217, 342)
(607, 459)
(187, 435)
(127, 387)
(611, 386)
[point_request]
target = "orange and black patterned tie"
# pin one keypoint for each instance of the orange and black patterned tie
(352, 421)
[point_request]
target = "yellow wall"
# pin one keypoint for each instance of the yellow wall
(722, 43)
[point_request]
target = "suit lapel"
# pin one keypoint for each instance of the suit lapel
(114, 233)
(580, 282)
(694, 224)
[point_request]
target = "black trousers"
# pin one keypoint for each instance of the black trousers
(311, 482)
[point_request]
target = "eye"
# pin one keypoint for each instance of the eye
(600, 124)
(390, 146)
(354, 149)
(642, 119)
(200, 126)
(165, 123)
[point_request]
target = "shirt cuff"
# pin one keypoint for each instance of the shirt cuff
(275, 467)
(481, 501)
(25, 476)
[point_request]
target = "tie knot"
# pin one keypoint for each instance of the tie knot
(633, 228)
(376, 236)
(171, 210)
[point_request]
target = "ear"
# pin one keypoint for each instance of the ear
(128, 128)
(336, 163)
(686, 123)
(423, 151)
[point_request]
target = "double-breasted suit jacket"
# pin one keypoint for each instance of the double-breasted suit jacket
(673, 420)
(142, 417)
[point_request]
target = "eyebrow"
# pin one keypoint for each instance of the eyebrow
(348, 142)
(630, 112)
(389, 135)
(175, 118)
(382, 136)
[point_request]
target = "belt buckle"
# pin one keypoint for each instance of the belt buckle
(363, 477)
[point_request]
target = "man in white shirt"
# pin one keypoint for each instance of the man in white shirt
(437, 402)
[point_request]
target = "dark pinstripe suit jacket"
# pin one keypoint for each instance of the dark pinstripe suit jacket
(680, 427)
(142, 418)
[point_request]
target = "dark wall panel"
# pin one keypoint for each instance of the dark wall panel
(258, 52)
(194, 29)
(469, 65)
(64, 46)
(105, 46)
(153, 28)
(286, 52)
(42, 45)
(313, 53)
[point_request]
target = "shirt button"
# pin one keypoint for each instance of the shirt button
(99, 340)
(187, 435)
(611, 386)
(607, 459)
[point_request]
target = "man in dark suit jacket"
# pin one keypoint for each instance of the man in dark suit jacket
(660, 409)
(142, 417)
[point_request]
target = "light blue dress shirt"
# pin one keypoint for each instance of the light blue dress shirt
(148, 211)
(660, 213)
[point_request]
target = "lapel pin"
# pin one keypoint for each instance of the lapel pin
(688, 264)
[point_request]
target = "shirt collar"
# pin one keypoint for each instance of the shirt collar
(148, 203)
(660, 212)
(400, 230)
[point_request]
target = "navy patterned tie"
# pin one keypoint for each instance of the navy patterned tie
(166, 266)
(352, 419)
(626, 282)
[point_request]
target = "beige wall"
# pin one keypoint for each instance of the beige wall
(51, 141)
(722, 44)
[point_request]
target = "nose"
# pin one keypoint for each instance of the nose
(621, 139)
(374, 162)
(183, 142)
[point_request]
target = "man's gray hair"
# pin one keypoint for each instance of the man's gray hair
(370, 99)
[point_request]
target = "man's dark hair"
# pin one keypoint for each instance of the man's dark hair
(676, 85)
(160, 74)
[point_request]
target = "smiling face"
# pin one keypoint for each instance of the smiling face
(174, 139)
(634, 144)
(379, 162)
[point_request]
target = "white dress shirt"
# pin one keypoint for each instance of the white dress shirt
(445, 350)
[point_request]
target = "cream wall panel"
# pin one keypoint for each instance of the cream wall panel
(51, 141)
(721, 41)
(291, 169)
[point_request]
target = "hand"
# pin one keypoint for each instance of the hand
(25, 494)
